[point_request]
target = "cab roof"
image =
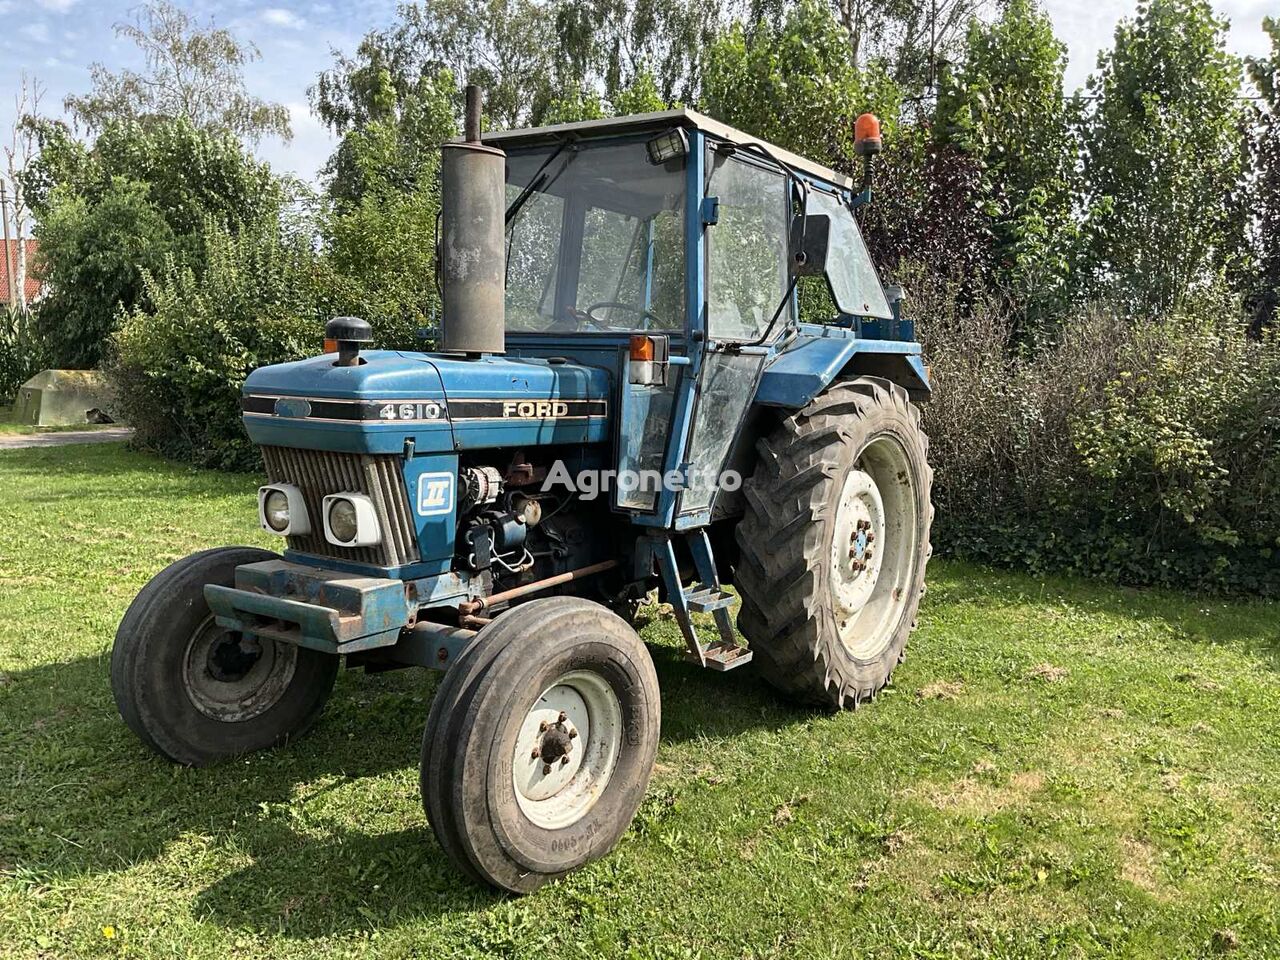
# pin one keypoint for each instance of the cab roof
(662, 120)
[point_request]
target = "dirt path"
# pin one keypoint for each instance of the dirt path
(109, 435)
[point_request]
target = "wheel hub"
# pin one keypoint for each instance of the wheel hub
(875, 548)
(232, 656)
(230, 677)
(566, 749)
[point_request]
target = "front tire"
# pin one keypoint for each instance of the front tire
(540, 743)
(834, 543)
(195, 692)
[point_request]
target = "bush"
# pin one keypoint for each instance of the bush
(22, 352)
(1146, 453)
(179, 365)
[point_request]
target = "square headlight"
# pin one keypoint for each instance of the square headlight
(350, 520)
(282, 510)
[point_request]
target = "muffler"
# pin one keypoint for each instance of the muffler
(473, 203)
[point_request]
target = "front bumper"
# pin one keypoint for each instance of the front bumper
(325, 610)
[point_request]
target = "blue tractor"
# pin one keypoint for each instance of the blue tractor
(624, 398)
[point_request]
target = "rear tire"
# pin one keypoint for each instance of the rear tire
(826, 608)
(196, 693)
(516, 820)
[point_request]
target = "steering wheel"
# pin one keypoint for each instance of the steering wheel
(644, 313)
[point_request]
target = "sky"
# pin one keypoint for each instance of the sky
(56, 40)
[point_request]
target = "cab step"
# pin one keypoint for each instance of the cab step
(722, 656)
(702, 599)
(706, 596)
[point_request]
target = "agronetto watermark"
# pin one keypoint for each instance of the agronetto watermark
(589, 484)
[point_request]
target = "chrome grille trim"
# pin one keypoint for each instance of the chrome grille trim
(318, 473)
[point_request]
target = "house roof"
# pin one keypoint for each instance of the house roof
(661, 120)
(11, 261)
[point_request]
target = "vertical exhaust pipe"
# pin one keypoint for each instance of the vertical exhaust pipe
(473, 255)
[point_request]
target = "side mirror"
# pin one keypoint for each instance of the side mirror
(810, 236)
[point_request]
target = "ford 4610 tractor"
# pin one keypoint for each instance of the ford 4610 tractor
(620, 344)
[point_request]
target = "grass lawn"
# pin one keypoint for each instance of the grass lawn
(1059, 769)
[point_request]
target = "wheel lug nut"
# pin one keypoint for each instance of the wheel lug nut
(546, 769)
(871, 536)
(542, 727)
(562, 718)
(537, 752)
(564, 761)
(573, 734)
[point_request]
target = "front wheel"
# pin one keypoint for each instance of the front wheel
(834, 543)
(195, 692)
(540, 743)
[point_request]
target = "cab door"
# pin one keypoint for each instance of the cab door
(746, 279)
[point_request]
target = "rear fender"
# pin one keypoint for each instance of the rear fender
(809, 365)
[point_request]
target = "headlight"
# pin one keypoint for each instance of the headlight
(350, 520)
(283, 510)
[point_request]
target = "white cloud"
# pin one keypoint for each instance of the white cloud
(37, 31)
(280, 17)
(57, 6)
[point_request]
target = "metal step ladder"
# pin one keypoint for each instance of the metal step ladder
(705, 596)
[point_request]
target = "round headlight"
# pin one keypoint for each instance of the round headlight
(342, 520)
(275, 508)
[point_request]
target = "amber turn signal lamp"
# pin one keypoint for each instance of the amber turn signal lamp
(866, 135)
(641, 348)
(330, 346)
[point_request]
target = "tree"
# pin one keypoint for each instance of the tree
(913, 39)
(19, 153)
(1004, 106)
(94, 255)
(193, 72)
(108, 213)
(1264, 72)
(1163, 159)
(792, 83)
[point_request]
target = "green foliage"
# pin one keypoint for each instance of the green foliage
(1163, 159)
(791, 82)
(193, 73)
(380, 263)
(142, 193)
(93, 255)
(640, 96)
(1004, 106)
(1264, 292)
(22, 351)
(392, 142)
(180, 362)
(1145, 453)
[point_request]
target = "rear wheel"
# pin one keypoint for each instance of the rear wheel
(540, 743)
(196, 692)
(834, 543)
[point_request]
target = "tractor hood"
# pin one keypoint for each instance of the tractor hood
(441, 403)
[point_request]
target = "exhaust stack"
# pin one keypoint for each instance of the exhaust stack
(473, 250)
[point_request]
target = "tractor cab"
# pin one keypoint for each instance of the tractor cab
(670, 249)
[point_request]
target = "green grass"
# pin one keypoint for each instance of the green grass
(1059, 769)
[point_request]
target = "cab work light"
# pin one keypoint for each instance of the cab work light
(667, 146)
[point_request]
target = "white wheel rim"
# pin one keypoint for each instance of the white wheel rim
(875, 549)
(567, 749)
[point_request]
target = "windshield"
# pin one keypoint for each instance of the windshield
(595, 240)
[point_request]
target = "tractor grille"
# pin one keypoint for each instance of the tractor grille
(318, 473)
